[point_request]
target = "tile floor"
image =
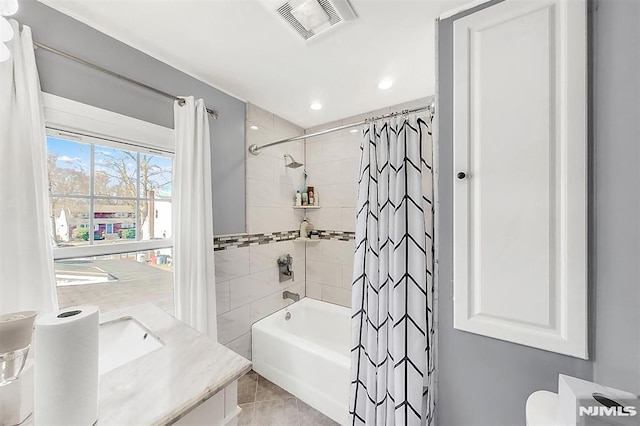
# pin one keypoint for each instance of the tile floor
(265, 404)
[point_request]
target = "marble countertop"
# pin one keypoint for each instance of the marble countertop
(164, 385)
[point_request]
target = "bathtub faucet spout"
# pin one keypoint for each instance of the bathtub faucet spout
(290, 295)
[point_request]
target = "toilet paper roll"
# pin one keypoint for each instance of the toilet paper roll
(66, 367)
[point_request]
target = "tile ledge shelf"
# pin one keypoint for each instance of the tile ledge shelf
(306, 207)
(306, 240)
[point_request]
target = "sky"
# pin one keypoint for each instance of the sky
(77, 156)
(71, 155)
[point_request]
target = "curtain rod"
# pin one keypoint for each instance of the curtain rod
(255, 149)
(181, 101)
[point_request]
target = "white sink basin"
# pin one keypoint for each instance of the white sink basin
(122, 340)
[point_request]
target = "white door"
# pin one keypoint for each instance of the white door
(520, 180)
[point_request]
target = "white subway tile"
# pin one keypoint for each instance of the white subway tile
(231, 263)
(249, 288)
(314, 250)
(286, 219)
(349, 170)
(324, 173)
(286, 175)
(327, 218)
(265, 256)
(299, 288)
(339, 195)
(347, 275)
(324, 272)
(274, 302)
(222, 297)
(339, 296)
(295, 149)
(267, 305)
(314, 152)
(262, 193)
(348, 219)
(341, 148)
(286, 195)
(314, 290)
(262, 136)
(335, 251)
(324, 126)
(299, 262)
(261, 219)
(259, 116)
(261, 167)
(286, 128)
(234, 324)
(333, 150)
(241, 345)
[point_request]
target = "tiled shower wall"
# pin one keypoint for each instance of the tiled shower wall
(271, 186)
(247, 282)
(246, 270)
(333, 162)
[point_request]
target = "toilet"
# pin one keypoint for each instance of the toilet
(581, 402)
(542, 409)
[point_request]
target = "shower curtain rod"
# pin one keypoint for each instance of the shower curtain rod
(181, 101)
(255, 149)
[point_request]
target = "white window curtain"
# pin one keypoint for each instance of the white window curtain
(392, 356)
(194, 270)
(27, 280)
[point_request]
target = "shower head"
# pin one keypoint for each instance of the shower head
(292, 164)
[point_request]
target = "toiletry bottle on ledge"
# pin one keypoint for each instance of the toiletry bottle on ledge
(305, 199)
(303, 228)
(310, 195)
(310, 227)
(298, 198)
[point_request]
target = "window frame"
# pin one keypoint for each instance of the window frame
(78, 122)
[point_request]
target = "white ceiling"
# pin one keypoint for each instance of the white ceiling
(246, 50)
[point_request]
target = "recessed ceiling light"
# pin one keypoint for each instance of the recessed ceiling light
(253, 127)
(316, 106)
(385, 84)
(354, 130)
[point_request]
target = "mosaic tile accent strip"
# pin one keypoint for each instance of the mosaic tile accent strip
(226, 242)
(337, 235)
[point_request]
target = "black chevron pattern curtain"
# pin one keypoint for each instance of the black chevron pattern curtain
(392, 356)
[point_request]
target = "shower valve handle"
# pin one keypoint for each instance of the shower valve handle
(461, 175)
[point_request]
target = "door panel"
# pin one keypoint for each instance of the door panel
(520, 140)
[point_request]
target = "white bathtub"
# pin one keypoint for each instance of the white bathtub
(307, 355)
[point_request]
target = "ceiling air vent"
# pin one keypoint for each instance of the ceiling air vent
(312, 17)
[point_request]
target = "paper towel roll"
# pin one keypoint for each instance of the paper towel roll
(66, 367)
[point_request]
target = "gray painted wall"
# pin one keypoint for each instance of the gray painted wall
(482, 381)
(65, 78)
(616, 233)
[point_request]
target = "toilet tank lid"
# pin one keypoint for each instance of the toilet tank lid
(541, 409)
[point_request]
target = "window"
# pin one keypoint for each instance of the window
(121, 194)
(110, 207)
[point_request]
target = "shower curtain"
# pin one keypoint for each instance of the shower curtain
(194, 270)
(392, 355)
(27, 280)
